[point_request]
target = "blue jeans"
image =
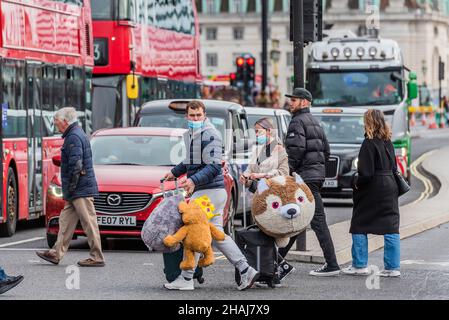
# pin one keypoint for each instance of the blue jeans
(2, 274)
(392, 251)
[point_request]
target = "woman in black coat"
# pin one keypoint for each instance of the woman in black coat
(376, 209)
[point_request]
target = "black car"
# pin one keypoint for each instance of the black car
(228, 117)
(345, 130)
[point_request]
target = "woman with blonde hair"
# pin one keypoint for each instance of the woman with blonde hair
(269, 160)
(376, 209)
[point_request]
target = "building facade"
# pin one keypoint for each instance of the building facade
(233, 27)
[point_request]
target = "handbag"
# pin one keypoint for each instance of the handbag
(403, 186)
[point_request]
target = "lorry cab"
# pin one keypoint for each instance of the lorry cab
(362, 72)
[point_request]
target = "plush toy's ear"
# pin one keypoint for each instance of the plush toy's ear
(262, 186)
(298, 178)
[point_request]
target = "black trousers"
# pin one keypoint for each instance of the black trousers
(319, 226)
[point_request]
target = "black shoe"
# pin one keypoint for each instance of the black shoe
(9, 283)
(326, 271)
(284, 269)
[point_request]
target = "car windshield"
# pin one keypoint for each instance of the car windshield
(178, 120)
(355, 88)
(137, 150)
(343, 129)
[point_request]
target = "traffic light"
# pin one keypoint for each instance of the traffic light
(232, 78)
(240, 74)
(250, 71)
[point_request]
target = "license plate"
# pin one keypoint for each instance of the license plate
(330, 184)
(116, 221)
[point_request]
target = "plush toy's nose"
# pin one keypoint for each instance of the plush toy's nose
(290, 211)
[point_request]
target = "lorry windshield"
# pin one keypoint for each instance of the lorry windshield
(355, 88)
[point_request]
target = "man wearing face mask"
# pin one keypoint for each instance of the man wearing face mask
(308, 149)
(204, 177)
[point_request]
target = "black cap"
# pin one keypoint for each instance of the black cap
(300, 93)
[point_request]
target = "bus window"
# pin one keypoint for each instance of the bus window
(48, 73)
(15, 123)
(59, 86)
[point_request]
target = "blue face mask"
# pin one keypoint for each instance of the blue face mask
(195, 124)
(262, 139)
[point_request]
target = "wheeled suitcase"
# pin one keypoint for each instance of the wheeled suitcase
(261, 252)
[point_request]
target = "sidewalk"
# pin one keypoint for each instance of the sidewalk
(415, 218)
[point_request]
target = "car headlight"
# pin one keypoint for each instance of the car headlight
(55, 190)
(355, 163)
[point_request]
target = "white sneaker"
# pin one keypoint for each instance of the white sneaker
(248, 278)
(353, 271)
(389, 273)
(180, 284)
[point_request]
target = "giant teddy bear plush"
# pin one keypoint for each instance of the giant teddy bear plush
(282, 207)
(196, 235)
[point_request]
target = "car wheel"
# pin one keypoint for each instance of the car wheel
(51, 240)
(230, 224)
(8, 228)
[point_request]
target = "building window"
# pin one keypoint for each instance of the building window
(212, 60)
(224, 7)
(278, 6)
(289, 59)
(353, 4)
(238, 33)
(210, 5)
(211, 34)
(237, 6)
(199, 5)
(251, 6)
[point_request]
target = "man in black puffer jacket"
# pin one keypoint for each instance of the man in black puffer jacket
(307, 149)
(79, 186)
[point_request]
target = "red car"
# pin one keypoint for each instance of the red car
(129, 164)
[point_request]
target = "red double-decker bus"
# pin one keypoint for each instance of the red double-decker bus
(46, 62)
(156, 40)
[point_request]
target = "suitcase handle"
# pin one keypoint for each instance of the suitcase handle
(163, 189)
(253, 226)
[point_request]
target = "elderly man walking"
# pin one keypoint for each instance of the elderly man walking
(78, 188)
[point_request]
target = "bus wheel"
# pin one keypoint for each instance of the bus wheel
(8, 228)
(51, 240)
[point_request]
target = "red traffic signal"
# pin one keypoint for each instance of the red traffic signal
(240, 61)
(232, 76)
(250, 61)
